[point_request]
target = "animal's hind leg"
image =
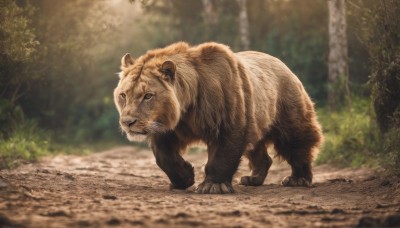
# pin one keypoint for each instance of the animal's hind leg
(259, 163)
(297, 151)
(301, 170)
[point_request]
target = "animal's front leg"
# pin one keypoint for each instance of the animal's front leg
(223, 161)
(166, 149)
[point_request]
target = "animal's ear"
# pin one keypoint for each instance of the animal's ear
(168, 68)
(127, 61)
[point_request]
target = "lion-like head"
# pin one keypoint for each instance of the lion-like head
(145, 97)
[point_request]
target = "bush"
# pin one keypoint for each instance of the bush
(25, 142)
(382, 39)
(351, 135)
(390, 155)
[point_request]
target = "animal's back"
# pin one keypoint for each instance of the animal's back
(273, 83)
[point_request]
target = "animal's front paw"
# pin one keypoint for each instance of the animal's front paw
(296, 181)
(209, 187)
(183, 184)
(182, 177)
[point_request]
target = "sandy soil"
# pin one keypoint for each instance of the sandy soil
(124, 187)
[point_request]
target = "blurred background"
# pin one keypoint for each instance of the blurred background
(58, 61)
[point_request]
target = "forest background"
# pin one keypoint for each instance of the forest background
(58, 61)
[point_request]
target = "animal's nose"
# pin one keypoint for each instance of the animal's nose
(128, 121)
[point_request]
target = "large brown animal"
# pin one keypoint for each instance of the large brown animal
(236, 103)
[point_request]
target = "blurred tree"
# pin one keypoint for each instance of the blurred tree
(181, 22)
(70, 94)
(358, 54)
(18, 47)
(243, 25)
(382, 37)
(378, 27)
(210, 16)
(384, 46)
(295, 32)
(338, 88)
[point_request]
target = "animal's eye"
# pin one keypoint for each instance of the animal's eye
(122, 96)
(148, 96)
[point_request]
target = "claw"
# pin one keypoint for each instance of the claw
(226, 188)
(199, 188)
(206, 188)
(214, 188)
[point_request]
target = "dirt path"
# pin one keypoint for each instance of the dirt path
(124, 187)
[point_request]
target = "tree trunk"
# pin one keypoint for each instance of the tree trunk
(338, 75)
(244, 25)
(210, 17)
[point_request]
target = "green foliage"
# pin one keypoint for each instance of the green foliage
(380, 33)
(175, 20)
(23, 144)
(296, 33)
(52, 77)
(390, 155)
(64, 86)
(17, 41)
(18, 47)
(382, 38)
(351, 136)
(352, 139)
(21, 139)
(7, 113)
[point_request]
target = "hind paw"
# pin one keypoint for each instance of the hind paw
(251, 181)
(296, 182)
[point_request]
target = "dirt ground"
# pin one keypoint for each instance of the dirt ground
(124, 187)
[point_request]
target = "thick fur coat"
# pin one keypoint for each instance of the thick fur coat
(236, 103)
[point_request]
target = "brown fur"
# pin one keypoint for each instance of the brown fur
(237, 103)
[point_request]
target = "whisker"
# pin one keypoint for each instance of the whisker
(120, 74)
(121, 130)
